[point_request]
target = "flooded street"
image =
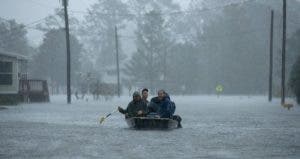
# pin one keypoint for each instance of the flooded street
(218, 60)
(225, 127)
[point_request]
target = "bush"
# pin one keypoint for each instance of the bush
(294, 81)
(9, 100)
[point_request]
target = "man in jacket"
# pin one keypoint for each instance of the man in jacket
(135, 108)
(161, 105)
(164, 107)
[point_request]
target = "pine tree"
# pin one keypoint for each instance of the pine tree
(98, 30)
(148, 62)
(50, 62)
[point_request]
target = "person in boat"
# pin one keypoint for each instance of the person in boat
(161, 105)
(164, 107)
(145, 96)
(136, 108)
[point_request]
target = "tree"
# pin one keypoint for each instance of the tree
(293, 49)
(148, 63)
(232, 42)
(57, 21)
(13, 37)
(182, 73)
(50, 62)
(292, 13)
(141, 7)
(232, 46)
(98, 31)
(294, 81)
(239, 58)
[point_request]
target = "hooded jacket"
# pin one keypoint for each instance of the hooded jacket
(133, 107)
(164, 108)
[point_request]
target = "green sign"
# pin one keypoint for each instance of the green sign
(219, 88)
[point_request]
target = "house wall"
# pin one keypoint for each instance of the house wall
(11, 89)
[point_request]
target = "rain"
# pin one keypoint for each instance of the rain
(149, 79)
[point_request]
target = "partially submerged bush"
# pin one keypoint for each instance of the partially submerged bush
(9, 100)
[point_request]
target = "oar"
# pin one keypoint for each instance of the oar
(109, 114)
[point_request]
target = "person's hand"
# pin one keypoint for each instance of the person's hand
(140, 112)
(120, 109)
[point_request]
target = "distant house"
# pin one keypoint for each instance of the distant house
(14, 85)
(13, 67)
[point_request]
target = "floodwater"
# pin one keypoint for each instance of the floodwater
(225, 127)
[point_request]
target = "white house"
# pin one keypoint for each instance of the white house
(13, 67)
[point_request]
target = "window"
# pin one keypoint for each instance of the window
(6, 73)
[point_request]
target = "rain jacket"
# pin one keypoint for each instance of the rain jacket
(164, 108)
(146, 101)
(133, 107)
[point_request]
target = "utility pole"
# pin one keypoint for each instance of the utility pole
(283, 54)
(271, 57)
(65, 4)
(117, 58)
(165, 65)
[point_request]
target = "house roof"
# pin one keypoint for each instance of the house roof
(13, 55)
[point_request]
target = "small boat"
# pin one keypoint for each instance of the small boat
(151, 123)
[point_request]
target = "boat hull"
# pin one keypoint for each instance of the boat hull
(151, 123)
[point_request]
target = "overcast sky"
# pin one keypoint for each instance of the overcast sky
(28, 11)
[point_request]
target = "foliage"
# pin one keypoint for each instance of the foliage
(294, 78)
(98, 31)
(50, 62)
(13, 37)
(183, 70)
(294, 81)
(229, 51)
(148, 63)
(57, 21)
(9, 99)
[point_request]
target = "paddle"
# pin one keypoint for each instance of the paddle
(109, 114)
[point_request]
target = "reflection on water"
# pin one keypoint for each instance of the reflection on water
(225, 127)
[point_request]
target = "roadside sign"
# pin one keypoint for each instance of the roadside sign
(219, 88)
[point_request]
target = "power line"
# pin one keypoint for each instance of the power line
(36, 21)
(28, 25)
